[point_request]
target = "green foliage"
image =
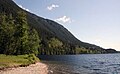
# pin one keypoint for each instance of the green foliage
(82, 50)
(54, 47)
(7, 30)
(54, 43)
(16, 37)
(20, 60)
(34, 41)
(22, 33)
(32, 58)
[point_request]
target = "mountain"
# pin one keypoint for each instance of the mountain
(48, 29)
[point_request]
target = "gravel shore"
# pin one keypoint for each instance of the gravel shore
(38, 68)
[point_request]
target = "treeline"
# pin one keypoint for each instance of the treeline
(16, 37)
(54, 46)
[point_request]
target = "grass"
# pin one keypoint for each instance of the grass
(19, 60)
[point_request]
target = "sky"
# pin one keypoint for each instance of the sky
(93, 21)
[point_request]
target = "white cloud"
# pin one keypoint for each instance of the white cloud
(23, 8)
(51, 7)
(64, 19)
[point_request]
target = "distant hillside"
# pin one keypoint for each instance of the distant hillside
(48, 29)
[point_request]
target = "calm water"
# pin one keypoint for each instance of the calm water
(83, 64)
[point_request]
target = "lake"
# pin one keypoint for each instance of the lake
(83, 64)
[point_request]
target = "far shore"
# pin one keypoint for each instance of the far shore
(37, 68)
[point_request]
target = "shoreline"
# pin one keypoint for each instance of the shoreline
(37, 68)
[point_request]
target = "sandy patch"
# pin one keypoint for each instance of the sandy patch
(38, 68)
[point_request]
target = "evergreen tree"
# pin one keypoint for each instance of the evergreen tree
(34, 41)
(2, 32)
(29, 39)
(54, 43)
(22, 33)
(16, 37)
(55, 46)
(10, 45)
(6, 34)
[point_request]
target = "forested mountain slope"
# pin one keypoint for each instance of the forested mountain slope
(52, 33)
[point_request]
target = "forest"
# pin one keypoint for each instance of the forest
(17, 37)
(22, 32)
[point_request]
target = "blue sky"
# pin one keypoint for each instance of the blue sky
(92, 21)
